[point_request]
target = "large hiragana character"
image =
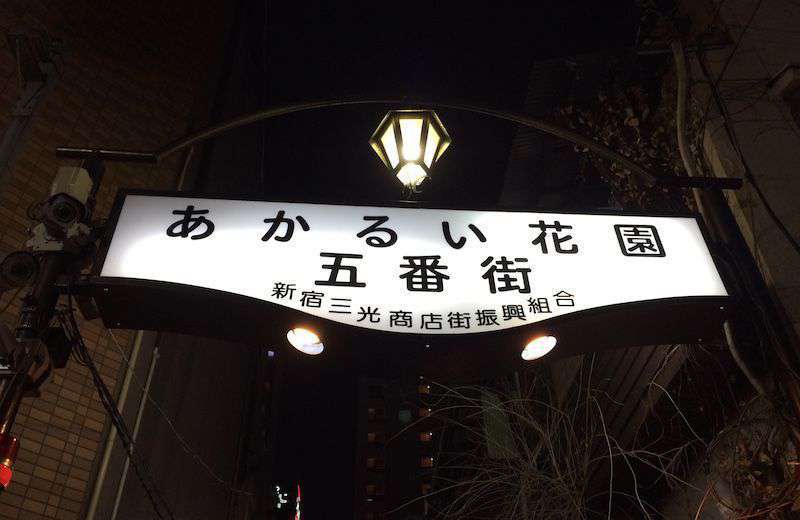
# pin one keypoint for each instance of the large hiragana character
(425, 273)
(276, 222)
(503, 277)
(378, 241)
(336, 267)
(185, 226)
(556, 227)
(458, 244)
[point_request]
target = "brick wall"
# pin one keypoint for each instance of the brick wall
(130, 78)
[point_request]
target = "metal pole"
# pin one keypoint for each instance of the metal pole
(37, 310)
(722, 223)
(112, 435)
(96, 491)
(137, 424)
(13, 390)
(600, 149)
(34, 82)
(785, 354)
(106, 155)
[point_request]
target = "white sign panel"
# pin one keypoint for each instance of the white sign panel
(411, 270)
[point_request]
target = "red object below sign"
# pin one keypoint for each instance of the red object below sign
(5, 475)
(9, 446)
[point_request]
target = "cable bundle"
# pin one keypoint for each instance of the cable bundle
(82, 356)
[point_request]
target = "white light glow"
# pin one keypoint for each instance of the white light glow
(445, 145)
(411, 130)
(390, 145)
(431, 143)
(538, 347)
(235, 259)
(411, 175)
(305, 341)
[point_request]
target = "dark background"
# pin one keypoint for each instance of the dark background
(293, 52)
(301, 51)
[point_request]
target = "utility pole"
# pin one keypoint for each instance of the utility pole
(742, 269)
(36, 75)
(62, 239)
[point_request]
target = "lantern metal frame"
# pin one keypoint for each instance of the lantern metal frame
(392, 118)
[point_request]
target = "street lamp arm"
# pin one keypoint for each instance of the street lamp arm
(522, 119)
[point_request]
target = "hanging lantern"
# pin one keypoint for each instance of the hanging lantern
(409, 142)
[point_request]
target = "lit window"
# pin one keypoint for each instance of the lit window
(375, 463)
(404, 416)
(425, 436)
(426, 462)
(375, 437)
(374, 490)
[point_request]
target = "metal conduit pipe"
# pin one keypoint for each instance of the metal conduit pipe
(136, 425)
(680, 121)
(112, 434)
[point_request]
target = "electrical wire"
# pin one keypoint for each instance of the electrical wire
(11, 300)
(184, 444)
(154, 495)
(728, 60)
(731, 133)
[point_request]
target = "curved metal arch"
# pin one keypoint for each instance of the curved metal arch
(515, 117)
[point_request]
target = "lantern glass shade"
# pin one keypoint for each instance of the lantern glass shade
(409, 142)
(388, 142)
(411, 174)
(431, 144)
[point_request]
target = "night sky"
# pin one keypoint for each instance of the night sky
(299, 51)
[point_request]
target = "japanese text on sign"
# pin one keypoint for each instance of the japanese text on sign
(411, 270)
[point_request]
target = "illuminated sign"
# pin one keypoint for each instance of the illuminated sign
(411, 270)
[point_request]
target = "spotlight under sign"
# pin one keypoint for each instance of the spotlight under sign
(393, 270)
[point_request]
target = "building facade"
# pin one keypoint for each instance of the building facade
(125, 75)
(395, 449)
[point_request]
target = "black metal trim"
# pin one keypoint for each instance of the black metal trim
(107, 155)
(123, 192)
(119, 201)
(722, 183)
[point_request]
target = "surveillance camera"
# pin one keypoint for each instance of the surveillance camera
(68, 202)
(73, 182)
(18, 270)
(62, 217)
(63, 210)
